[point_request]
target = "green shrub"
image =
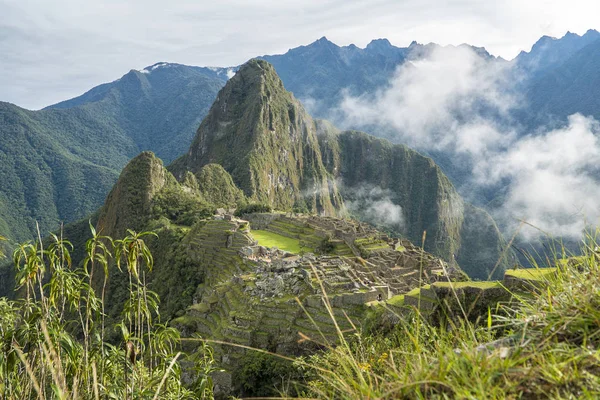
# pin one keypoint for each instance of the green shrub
(181, 207)
(253, 208)
(54, 339)
(264, 375)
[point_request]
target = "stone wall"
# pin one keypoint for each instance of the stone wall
(261, 220)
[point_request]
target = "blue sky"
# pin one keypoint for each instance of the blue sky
(54, 50)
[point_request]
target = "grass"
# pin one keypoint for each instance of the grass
(545, 344)
(537, 274)
(270, 239)
(397, 300)
(476, 284)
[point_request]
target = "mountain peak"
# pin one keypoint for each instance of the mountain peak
(253, 77)
(256, 67)
(379, 43)
(129, 202)
(323, 42)
(264, 138)
(592, 33)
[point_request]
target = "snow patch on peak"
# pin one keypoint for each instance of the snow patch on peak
(151, 68)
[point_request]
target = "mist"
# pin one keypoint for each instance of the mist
(375, 206)
(459, 102)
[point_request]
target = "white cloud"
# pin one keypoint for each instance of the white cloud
(554, 178)
(56, 50)
(440, 102)
(374, 205)
(458, 103)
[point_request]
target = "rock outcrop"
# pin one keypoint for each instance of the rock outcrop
(265, 139)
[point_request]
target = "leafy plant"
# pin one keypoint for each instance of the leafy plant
(253, 208)
(54, 335)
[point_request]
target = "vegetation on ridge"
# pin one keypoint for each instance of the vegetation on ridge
(54, 339)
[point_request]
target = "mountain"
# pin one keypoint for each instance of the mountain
(157, 108)
(258, 278)
(50, 167)
(322, 73)
(221, 277)
(160, 107)
(59, 163)
(572, 87)
(548, 52)
(317, 73)
(277, 154)
(265, 139)
(380, 178)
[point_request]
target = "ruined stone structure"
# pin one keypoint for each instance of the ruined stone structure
(268, 298)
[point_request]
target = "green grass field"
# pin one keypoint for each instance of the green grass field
(536, 274)
(270, 239)
(474, 284)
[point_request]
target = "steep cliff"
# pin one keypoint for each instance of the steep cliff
(407, 193)
(265, 139)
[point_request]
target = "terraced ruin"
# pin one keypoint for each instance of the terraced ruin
(470, 298)
(269, 298)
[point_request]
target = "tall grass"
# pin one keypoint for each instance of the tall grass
(544, 344)
(52, 338)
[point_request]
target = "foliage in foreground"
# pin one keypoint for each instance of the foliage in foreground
(53, 338)
(546, 345)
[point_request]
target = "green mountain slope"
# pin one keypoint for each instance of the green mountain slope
(59, 163)
(51, 169)
(158, 108)
(263, 137)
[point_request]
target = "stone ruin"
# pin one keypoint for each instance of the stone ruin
(264, 297)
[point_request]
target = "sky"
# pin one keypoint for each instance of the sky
(55, 50)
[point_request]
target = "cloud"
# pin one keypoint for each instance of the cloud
(458, 103)
(56, 50)
(554, 178)
(374, 205)
(441, 101)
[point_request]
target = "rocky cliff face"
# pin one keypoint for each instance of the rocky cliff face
(399, 189)
(265, 139)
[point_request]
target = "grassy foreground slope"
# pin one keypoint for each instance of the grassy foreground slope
(543, 344)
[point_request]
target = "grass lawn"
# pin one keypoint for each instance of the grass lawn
(270, 239)
(475, 284)
(537, 274)
(397, 300)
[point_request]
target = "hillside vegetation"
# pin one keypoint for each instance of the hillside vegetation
(541, 341)
(58, 164)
